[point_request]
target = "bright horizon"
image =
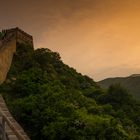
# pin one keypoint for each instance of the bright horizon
(99, 38)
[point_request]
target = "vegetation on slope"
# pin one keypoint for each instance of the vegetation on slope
(53, 102)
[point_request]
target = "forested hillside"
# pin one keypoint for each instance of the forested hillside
(53, 102)
(131, 83)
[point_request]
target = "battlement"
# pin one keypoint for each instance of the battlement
(18, 34)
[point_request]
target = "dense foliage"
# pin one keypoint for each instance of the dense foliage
(53, 102)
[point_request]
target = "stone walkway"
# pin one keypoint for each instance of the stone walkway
(9, 128)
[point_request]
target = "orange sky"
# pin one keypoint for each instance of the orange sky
(100, 38)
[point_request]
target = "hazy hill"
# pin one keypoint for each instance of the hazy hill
(52, 101)
(131, 83)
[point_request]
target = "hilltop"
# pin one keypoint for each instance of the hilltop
(131, 83)
(52, 101)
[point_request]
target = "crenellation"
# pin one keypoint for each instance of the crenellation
(19, 34)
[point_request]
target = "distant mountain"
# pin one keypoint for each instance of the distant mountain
(131, 83)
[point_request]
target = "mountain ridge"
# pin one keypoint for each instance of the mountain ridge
(131, 83)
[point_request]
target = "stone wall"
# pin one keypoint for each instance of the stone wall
(9, 128)
(6, 54)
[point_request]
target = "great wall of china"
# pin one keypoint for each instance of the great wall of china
(9, 128)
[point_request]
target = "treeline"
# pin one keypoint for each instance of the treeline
(53, 102)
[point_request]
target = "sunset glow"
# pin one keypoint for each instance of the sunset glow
(99, 38)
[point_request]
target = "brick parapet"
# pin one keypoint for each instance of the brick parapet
(9, 128)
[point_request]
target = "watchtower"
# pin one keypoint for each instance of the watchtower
(19, 35)
(8, 45)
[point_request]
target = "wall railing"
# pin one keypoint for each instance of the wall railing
(9, 128)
